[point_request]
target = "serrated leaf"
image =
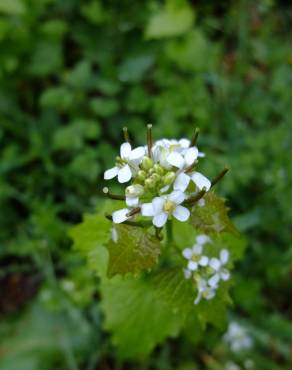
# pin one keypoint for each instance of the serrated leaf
(89, 238)
(213, 216)
(142, 312)
(134, 250)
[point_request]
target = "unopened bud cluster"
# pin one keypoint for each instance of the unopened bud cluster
(207, 273)
(163, 179)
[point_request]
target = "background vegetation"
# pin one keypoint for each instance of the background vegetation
(72, 74)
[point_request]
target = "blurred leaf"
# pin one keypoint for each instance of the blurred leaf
(89, 239)
(134, 68)
(173, 20)
(13, 7)
(59, 98)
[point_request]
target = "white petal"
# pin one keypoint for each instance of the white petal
(197, 249)
(120, 215)
(201, 181)
(125, 174)
(215, 264)
(111, 173)
(192, 265)
(181, 182)
(203, 239)
(184, 143)
(175, 159)
(132, 202)
(164, 189)
(204, 261)
(181, 213)
(125, 150)
(160, 219)
(213, 281)
(147, 209)
(201, 155)
(191, 155)
(210, 294)
(197, 300)
(225, 275)
(224, 256)
(115, 236)
(157, 204)
(187, 273)
(187, 253)
(137, 153)
(177, 197)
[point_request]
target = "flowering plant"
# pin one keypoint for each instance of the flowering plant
(165, 250)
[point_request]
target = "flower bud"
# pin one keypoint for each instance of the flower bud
(141, 175)
(134, 190)
(169, 178)
(147, 163)
(150, 183)
(158, 169)
(155, 177)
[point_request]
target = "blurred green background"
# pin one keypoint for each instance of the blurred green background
(72, 74)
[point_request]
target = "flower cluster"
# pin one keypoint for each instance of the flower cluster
(206, 272)
(163, 180)
(237, 337)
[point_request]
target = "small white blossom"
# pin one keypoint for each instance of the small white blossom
(203, 239)
(237, 337)
(184, 159)
(182, 181)
(217, 265)
(165, 206)
(195, 257)
(128, 164)
(205, 291)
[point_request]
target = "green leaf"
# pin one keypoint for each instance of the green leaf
(173, 20)
(89, 238)
(214, 311)
(58, 97)
(135, 250)
(142, 312)
(213, 216)
(15, 7)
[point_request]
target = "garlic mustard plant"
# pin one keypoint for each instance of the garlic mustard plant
(168, 240)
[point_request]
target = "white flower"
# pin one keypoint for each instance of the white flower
(184, 159)
(205, 291)
(237, 337)
(133, 192)
(182, 181)
(195, 257)
(128, 163)
(203, 239)
(163, 207)
(201, 181)
(217, 265)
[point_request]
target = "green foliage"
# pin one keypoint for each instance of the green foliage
(143, 312)
(72, 75)
(212, 217)
(134, 250)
